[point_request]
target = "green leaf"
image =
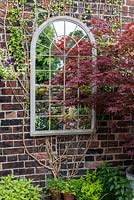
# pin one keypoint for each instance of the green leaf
(111, 187)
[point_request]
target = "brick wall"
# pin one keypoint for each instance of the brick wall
(108, 145)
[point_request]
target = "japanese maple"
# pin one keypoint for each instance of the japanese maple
(114, 71)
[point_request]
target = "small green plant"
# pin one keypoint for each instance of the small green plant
(91, 187)
(54, 184)
(22, 189)
(115, 184)
(71, 186)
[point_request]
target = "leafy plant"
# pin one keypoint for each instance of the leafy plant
(17, 37)
(41, 123)
(72, 186)
(113, 74)
(91, 187)
(42, 63)
(22, 189)
(115, 184)
(54, 184)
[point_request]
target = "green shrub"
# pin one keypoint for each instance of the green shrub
(116, 185)
(54, 184)
(18, 189)
(91, 187)
(72, 186)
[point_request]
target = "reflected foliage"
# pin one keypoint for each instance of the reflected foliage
(43, 60)
(64, 54)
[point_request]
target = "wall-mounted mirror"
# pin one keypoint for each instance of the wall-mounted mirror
(63, 56)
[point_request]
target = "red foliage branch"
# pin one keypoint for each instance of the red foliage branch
(114, 76)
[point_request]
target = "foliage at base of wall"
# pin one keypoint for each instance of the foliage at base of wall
(18, 188)
(19, 151)
(106, 183)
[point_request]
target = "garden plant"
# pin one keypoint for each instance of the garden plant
(18, 188)
(114, 182)
(104, 183)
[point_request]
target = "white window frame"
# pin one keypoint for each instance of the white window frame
(38, 31)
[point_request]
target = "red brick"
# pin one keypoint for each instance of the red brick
(94, 165)
(17, 98)
(130, 2)
(12, 158)
(66, 138)
(123, 136)
(41, 156)
(11, 136)
(2, 84)
(17, 129)
(5, 172)
(11, 84)
(19, 143)
(41, 170)
(106, 137)
(1, 115)
(122, 157)
(2, 159)
(125, 12)
(2, 5)
(2, 14)
(5, 130)
(5, 99)
(87, 158)
(104, 130)
(41, 141)
(2, 45)
(104, 157)
(10, 151)
(113, 150)
(95, 151)
(33, 149)
(122, 143)
(23, 171)
(128, 149)
(121, 130)
(5, 144)
(12, 91)
(23, 157)
(131, 10)
(125, 123)
(20, 114)
(11, 122)
(128, 162)
(117, 163)
(36, 177)
(125, 9)
(11, 107)
(11, 115)
(12, 165)
(94, 144)
(31, 163)
(109, 144)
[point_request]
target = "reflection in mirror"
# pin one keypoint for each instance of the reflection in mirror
(63, 56)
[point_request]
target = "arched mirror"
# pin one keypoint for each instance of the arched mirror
(62, 57)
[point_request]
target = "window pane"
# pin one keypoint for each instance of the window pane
(84, 122)
(42, 93)
(42, 123)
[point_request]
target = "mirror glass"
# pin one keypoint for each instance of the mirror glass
(62, 85)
